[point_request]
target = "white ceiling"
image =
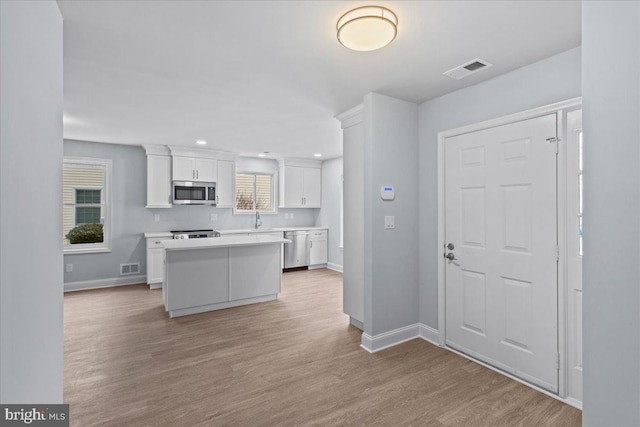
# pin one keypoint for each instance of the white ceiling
(270, 75)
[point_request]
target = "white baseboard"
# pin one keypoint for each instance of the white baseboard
(429, 334)
(389, 339)
(317, 266)
(334, 267)
(105, 283)
(155, 285)
(355, 322)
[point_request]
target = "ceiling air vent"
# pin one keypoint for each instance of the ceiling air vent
(467, 69)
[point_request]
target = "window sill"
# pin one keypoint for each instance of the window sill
(80, 251)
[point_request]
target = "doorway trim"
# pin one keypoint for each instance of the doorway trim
(560, 108)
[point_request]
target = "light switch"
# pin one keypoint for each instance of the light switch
(214, 217)
(156, 218)
(69, 268)
(389, 222)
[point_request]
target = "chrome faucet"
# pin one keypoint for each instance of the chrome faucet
(258, 220)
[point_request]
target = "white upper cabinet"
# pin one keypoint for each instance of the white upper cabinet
(300, 184)
(206, 170)
(312, 187)
(184, 168)
(194, 169)
(224, 185)
(158, 177)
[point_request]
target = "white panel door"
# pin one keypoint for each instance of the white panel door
(501, 291)
(574, 251)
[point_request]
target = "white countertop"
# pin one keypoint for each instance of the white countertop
(221, 242)
(268, 230)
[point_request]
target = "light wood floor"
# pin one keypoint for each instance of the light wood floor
(294, 361)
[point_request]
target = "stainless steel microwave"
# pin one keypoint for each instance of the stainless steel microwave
(194, 193)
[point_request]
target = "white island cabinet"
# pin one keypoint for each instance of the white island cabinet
(155, 253)
(220, 272)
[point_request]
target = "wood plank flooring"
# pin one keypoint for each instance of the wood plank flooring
(294, 361)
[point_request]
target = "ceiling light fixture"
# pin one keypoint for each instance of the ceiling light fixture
(367, 28)
(201, 142)
(263, 154)
(317, 155)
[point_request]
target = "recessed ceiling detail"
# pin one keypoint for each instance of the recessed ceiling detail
(367, 28)
(468, 68)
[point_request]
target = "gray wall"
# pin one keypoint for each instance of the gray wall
(551, 80)
(611, 263)
(329, 215)
(30, 202)
(131, 219)
(391, 256)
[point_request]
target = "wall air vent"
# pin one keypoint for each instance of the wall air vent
(468, 68)
(126, 269)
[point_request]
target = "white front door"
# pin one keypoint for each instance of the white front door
(574, 251)
(501, 290)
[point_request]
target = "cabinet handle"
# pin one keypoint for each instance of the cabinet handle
(157, 242)
(193, 174)
(312, 243)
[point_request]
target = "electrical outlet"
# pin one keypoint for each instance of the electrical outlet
(286, 216)
(156, 217)
(69, 268)
(389, 222)
(214, 217)
(291, 215)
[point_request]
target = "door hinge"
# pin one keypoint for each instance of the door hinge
(558, 361)
(555, 141)
(557, 253)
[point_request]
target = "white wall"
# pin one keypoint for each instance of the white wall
(30, 202)
(329, 215)
(353, 255)
(611, 263)
(391, 267)
(551, 80)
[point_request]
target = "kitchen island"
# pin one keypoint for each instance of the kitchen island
(220, 272)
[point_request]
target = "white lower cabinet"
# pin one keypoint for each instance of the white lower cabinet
(155, 261)
(318, 249)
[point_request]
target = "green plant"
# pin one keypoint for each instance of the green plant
(86, 233)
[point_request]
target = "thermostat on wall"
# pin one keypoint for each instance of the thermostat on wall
(387, 192)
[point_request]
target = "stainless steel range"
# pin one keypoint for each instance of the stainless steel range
(194, 234)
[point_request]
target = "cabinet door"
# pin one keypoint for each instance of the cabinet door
(184, 168)
(155, 267)
(318, 251)
(224, 184)
(293, 185)
(206, 170)
(158, 181)
(312, 183)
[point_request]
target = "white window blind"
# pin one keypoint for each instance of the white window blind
(85, 203)
(254, 192)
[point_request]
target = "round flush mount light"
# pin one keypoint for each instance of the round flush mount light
(367, 28)
(201, 142)
(263, 154)
(317, 155)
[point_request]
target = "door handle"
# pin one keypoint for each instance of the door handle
(450, 246)
(451, 257)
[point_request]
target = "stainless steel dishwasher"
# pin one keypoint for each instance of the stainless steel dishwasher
(296, 253)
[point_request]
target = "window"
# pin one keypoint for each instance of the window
(86, 219)
(254, 192)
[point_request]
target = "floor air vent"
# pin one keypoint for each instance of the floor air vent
(468, 68)
(133, 268)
